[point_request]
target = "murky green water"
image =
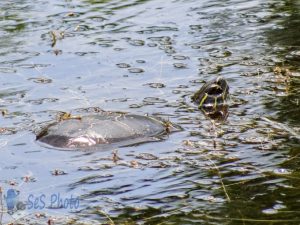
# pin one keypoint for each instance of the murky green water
(148, 57)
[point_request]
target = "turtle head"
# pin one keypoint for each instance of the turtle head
(212, 96)
(217, 88)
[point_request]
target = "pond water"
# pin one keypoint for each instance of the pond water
(149, 57)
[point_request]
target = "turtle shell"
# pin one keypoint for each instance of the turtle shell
(105, 128)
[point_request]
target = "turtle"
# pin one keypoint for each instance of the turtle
(104, 129)
(211, 98)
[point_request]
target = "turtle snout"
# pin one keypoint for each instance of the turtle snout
(222, 83)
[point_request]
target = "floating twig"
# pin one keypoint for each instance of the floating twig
(221, 180)
(281, 126)
(107, 216)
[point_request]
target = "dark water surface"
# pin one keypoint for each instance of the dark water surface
(148, 57)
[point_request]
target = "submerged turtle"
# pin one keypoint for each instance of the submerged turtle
(211, 98)
(104, 128)
(120, 129)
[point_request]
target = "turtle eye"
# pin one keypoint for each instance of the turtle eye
(222, 83)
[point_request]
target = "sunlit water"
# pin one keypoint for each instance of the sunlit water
(148, 57)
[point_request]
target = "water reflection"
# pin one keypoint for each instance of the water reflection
(284, 38)
(220, 113)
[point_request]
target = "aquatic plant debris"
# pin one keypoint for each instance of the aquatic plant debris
(282, 126)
